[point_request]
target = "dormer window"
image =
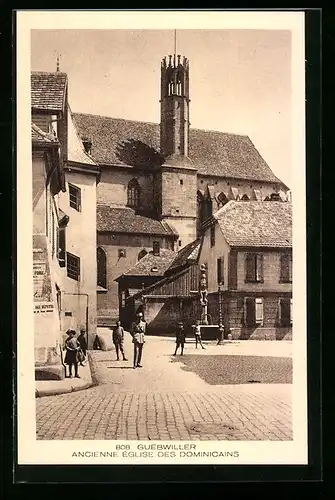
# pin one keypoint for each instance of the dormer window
(87, 145)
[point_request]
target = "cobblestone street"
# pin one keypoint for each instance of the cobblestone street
(164, 401)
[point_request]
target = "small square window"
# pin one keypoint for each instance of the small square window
(73, 266)
(177, 211)
(75, 197)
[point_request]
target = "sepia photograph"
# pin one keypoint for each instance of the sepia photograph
(163, 207)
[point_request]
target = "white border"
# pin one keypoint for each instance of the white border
(31, 451)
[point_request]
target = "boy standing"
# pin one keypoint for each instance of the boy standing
(180, 338)
(197, 334)
(118, 339)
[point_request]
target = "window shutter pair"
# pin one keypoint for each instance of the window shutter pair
(253, 311)
(254, 267)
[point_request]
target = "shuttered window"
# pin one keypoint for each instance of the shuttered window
(73, 266)
(253, 312)
(75, 197)
(254, 267)
(61, 247)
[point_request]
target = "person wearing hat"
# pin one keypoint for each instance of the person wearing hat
(83, 346)
(72, 347)
(180, 338)
(137, 331)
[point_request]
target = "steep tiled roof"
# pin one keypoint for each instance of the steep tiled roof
(125, 220)
(212, 153)
(159, 263)
(256, 224)
(189, 252)
(76, 152)
(48, 90)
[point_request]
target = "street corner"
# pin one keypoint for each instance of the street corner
(67, 385)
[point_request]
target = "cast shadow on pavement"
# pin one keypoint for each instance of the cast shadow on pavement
(121, 367)
(222, 370)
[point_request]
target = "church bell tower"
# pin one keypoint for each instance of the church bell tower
(174, 131)
(176, 178)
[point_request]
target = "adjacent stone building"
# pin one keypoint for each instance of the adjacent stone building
(247, 250)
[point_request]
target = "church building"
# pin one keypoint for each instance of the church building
(160, 182)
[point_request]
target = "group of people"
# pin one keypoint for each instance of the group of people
(76, 347)
(137, 332)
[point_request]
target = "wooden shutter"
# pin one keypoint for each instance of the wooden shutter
(286, 267)
(259, 267)
(61, 246)
(249, 311)
(250, 267)
(285, 312)
(232, 272)
(219, 271)
(259, 315)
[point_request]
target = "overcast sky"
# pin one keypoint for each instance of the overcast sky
(240, 80)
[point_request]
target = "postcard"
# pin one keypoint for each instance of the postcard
(161, 238)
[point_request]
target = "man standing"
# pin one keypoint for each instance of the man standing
(118, 339)
(137, 332)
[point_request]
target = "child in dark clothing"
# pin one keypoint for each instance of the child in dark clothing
(180, 338)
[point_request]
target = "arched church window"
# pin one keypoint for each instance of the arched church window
(101, 268)
(142, 254)
(133, 193)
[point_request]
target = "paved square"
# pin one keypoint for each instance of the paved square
(163, 401)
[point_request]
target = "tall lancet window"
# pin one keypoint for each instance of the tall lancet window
(101, 268)
(133, 193)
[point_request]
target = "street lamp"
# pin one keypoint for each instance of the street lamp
(221, 328)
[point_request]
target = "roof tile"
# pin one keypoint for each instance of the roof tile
(125, 220)
(159, 263)
(48, 90)
(256, 224)
(211, 152)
